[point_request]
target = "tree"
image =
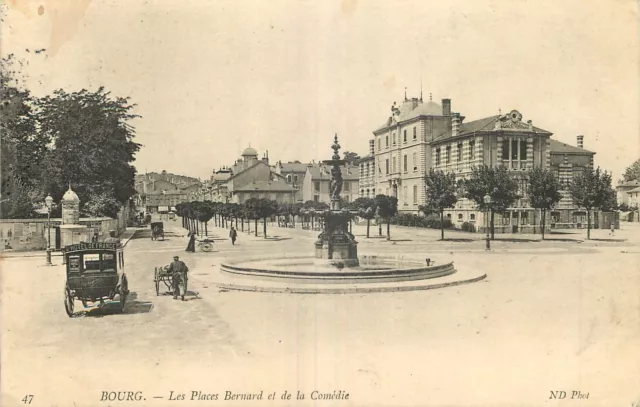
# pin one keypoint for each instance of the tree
(497, 183)
(21, 148)
(350, 157)
(93, 145)
(387, 208)
(366, 208)
(204, 213)
(632, 172)
(592, 189)
(441, 193)
(260, 208)
(543, 192)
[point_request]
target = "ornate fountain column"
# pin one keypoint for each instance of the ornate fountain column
(336, 244)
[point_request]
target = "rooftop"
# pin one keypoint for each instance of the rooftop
(558, 147)
(323, 172)
(266, 186)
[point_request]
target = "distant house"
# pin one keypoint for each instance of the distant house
(316, 186)
(250, 177)
(624, 191)
(293, 172)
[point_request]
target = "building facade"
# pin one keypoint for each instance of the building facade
(367, 175)
(421, 136)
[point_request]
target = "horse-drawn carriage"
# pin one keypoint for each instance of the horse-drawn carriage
(95, 272)
(157, 230)
(162, 275)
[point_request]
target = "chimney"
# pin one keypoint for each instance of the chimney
(580, 141)
(371, 149)
(446, 107)
(455, 124)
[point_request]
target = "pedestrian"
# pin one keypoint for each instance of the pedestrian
(95, 238)
(191, 246)
(233, 235)
(613, 228)
(112, 237)
(178, 271)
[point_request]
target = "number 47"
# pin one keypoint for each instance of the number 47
(27, 399)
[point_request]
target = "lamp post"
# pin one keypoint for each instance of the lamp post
(487, 202)
(48, 201)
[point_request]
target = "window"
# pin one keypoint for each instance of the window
(505, 149)
(347, 186)
(404, 194)
(289, 178)
(379, 144)
(394, 139)
(472, 150)
(394, 164)
(514, 149)
(405, 136)
(437, 156)
(91, 262)
(415, 194)
(386, 140)
(459, 152)
(472, 217)
(316, 186)
(415, 133)
(405, 163)
(448, 157)
(460, 217)
(415, 162)
(523, 150)
(387, 166)
(316, 198)
(295, 179)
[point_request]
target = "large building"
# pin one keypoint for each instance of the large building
(420, 136)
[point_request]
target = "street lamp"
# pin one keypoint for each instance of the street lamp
(487, 202)
(48, 201)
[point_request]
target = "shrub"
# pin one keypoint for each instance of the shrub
(468, 227)
(433, 221)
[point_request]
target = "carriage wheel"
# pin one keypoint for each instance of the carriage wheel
(206, 247)
(124, 290)
(183, 286)
(162, 236)
(156, 279)
(68, 300)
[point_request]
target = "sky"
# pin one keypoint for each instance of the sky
(211, 78)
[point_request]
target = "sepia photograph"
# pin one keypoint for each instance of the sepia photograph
(319, 203)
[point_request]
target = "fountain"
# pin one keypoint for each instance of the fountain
(336, 246)
(336, 267)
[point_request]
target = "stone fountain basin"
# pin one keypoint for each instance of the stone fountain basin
(372, 269)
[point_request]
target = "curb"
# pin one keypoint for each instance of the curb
(354, 290)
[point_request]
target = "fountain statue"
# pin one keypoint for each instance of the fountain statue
(335, 244)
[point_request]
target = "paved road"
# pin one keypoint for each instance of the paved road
(561, 315)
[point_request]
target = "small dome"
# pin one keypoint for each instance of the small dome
(249, 152)
(70, 196)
